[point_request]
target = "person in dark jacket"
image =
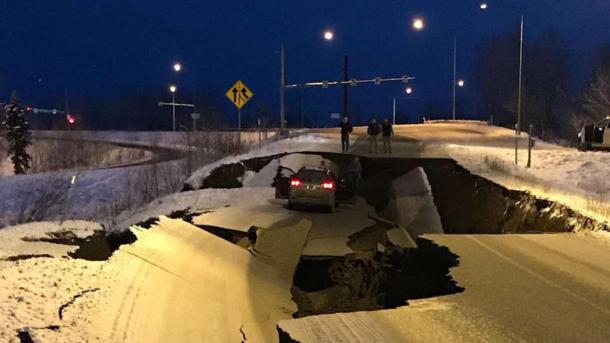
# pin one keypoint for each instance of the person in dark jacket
(387, 131)
(373, 132)
(346, 129)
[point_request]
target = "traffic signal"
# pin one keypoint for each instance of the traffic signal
(71, 119)
(29, 108)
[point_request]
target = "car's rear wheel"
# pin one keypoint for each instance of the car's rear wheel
(331, 208)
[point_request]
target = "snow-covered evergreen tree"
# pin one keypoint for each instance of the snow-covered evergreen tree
(18, 135)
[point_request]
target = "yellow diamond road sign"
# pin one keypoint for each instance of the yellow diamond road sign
(239, 94)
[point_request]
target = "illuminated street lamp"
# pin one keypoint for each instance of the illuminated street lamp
(418, 23)
(173, 89)
(329, 35)
(409, 90)
(483, 5)
(461, 83)
(177, 67)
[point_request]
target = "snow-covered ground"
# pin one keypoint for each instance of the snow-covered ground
(102, 194)
(37, 278)
(165, 139)
(580, 180)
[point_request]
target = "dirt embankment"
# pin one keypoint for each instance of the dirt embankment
(470, 204)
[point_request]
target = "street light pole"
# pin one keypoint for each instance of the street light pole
(454, 72)
(346, 86)
(174, 111)
(394, 111)
(518, 128)
(282, 89)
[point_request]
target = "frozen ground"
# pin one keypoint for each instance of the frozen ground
(102, 194)
(95, 195)
(174, 140)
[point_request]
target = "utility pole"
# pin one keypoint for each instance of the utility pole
(174, 111)
(239, 120)
(454, 72)
(518, 128)
(66, 99)
(301, 107)
(173, 104)
(346, 86)
(282, 90)
(394, 111)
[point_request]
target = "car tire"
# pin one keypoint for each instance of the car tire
(290, 206)
(331, 208)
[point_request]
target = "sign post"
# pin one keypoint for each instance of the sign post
(239, 94)
(195, 116)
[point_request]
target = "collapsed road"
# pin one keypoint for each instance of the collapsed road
(362, 274)
(425, 251)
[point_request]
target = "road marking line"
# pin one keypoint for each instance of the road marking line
(540, 277)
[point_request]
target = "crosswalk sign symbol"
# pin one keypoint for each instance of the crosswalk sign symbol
(239, 94)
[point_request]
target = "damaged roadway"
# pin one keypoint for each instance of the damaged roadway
(177, 282)
(518, 288)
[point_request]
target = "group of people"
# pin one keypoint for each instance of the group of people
(373, 131)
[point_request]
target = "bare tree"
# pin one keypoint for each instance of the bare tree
(595, 101)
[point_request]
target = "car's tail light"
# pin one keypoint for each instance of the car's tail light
(296, 183)
(328, 185)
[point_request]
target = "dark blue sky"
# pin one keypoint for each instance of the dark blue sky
(111, 47)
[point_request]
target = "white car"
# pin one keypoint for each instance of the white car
(595, 136)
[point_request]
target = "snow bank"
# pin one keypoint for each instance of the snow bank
(579, 180)
(23, 239)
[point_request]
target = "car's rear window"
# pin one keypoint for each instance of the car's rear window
(312, 175)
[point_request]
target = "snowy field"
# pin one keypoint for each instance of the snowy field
(102, 194)
(166, 139)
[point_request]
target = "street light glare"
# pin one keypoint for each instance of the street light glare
(329, 35)
(418, 24)
(409, 90)
(177, 67)
(173, 89)
(461, 83)
(484, 5)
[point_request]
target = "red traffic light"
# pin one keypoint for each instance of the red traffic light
(29, 108)
(71, 118)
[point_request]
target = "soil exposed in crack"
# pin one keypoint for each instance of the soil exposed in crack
(25, 336)
(101, 245)
(25, 257)
(348, 284)
(97, 247)
(484, 207)
(63, 307)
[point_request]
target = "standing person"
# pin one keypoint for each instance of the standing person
(346, 129)
(387, 131)
(373, 132)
